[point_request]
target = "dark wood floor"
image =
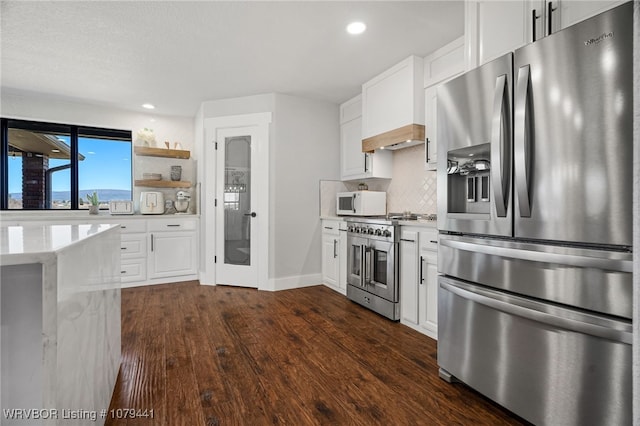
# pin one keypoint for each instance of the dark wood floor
(199, 355)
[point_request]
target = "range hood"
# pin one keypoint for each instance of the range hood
(402, 137)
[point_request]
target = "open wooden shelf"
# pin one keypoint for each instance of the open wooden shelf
(163, 183)
(162, 152)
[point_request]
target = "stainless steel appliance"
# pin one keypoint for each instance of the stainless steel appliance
(535, 209)
(372, 264)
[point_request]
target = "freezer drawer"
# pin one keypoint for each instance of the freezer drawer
(597, 280)
(547, 364)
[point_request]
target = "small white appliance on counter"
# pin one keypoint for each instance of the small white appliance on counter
(151, 202)
(361, 203)
(120, 207)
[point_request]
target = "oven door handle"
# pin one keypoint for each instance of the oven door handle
(367, 265)
(362, 265)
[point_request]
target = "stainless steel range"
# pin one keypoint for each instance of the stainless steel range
(372, 264)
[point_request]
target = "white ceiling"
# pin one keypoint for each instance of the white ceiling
(177, 54)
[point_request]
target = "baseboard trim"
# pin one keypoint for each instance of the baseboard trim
(296, 281)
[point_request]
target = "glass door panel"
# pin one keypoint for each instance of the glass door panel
(237, 200)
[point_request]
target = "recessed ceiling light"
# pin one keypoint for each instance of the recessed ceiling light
(148, 106)
(356, 28)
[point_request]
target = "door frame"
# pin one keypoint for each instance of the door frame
(261, 122)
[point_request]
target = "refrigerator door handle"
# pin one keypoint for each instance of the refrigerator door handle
(499, 147)
(542, 256)
(512, 307)
(523, 139)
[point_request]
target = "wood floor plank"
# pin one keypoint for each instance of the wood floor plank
(236, 356)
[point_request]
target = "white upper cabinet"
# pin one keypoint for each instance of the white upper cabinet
(568, 12)
(355, 164)
(444, 63)
(431, 127)
(493, 28)
(439, 67)
(394, 99)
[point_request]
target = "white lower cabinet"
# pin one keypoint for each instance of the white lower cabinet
(334, 259)
(157, 250)
(173, 248)
(133, 250)
(419, 279)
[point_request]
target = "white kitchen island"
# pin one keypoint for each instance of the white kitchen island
(60, 311)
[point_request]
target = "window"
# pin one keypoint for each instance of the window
(53, 166)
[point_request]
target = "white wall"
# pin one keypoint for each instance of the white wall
(41, 108)
(306, 149)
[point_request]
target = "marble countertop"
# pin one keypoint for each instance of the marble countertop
(28, 243)
(48, 215)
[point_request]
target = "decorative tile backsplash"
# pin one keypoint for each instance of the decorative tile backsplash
(412, 188)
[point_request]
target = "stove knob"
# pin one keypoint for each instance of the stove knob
(387, 233)
(358, 229)
(370, 231)
(378, 232)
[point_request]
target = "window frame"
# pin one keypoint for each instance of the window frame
(75, 132)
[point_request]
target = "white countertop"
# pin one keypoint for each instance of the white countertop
(419, 222)
(21, 243)
(58, 215)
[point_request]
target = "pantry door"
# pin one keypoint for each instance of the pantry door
(236, 200)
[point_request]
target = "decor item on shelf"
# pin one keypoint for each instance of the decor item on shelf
(177, 145)
(93, 203)
(152, 176)
(146, 137)
(176, 173)
(363, 187)
(167, 144)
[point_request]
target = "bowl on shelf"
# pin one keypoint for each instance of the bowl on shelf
(152, 176)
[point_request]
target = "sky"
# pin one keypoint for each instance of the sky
(107, 165)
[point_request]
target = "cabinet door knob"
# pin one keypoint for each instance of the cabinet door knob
(252, 214)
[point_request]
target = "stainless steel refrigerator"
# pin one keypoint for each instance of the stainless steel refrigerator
(535, 220)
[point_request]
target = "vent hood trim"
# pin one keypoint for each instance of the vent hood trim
(395, 139)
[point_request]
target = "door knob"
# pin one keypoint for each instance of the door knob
(252, 214)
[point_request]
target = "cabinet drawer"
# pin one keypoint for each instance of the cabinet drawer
(429, 240)
(133, 270)
(331, 227)
(133, 245)
(132, 226)
(173, 224)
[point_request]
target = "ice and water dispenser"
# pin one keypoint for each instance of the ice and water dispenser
(468, 179)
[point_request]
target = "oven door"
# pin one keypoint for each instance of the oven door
(356, 247)
(381, 269)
